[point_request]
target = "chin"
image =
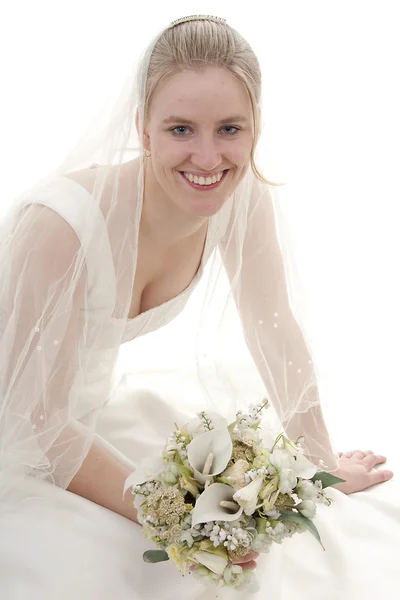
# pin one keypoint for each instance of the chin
(204, 209)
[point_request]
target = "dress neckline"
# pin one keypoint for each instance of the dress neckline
(175, 299)
(147, 313)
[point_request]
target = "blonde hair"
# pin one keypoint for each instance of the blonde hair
(201, 43)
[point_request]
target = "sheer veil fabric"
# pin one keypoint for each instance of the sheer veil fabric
(65, 300)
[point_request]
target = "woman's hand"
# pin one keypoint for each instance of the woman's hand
(357, 468)
(247, 562)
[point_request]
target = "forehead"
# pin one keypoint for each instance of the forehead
(212, 92)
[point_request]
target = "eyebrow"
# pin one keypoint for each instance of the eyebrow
(183, 121)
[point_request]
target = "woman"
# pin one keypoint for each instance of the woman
(95, 257)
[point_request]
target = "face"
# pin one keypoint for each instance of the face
(200, 134)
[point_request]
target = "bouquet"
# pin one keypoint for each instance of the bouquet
(216, 494)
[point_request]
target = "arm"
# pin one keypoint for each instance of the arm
(43, 355)
(101, 479)
(256, 271)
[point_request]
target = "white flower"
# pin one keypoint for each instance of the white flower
(289, 458)
(236, 474)
(197, 425)
(307, 509)
(262, 543)
(247, 497)
(306, 490)
(287, 481)
(295, 498)
(247, 434)
(208, 505)
(149, 467)
(171, 474)
(273, 514)
(318, 485)
(215, 563)
(187, 537)
(234, 576)
(217, 443)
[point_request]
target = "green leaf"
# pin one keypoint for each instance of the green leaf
(304, 522)
(155, 556)
(326, 479)
(223, 480)
(186, 471)
(232, 426)
(261, 524)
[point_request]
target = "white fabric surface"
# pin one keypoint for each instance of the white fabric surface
(59, 545)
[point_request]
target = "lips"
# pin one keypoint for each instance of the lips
(204, 179)
(200, 187)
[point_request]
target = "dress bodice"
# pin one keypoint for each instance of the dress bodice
(79, 208)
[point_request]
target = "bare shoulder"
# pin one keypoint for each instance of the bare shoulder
(85, 177)
(124, 174)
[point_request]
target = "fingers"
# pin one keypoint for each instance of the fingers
(247, 562)
(249, 566)
(245, 559)
(358, 454)
(379, 476)
(372, 460)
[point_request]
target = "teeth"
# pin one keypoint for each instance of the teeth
(204, 180)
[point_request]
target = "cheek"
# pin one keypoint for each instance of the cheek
(168, 153)
(240, 152)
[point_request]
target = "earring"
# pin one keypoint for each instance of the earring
(147, 153)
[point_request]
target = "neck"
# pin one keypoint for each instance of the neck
(163, 220)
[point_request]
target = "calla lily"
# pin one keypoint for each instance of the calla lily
(215, 563)
(294, 460)
(247, 497)
(208, 506)
(149, 467)
(217, 443)
(196, 426)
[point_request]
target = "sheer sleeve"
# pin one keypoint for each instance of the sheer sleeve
(42, 352)
(255, 265)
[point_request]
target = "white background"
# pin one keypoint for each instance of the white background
(331, 110)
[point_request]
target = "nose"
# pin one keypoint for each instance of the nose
(206, 154)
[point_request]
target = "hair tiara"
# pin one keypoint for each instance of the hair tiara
(197, 18)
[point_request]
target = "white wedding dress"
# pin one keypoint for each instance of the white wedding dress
(57, 545)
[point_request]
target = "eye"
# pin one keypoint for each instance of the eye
(230, 129)
(180, 130)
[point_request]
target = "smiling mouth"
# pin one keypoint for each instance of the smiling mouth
(203, 183)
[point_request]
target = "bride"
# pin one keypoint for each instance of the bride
(109, 248)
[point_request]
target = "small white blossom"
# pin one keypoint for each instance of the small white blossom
(287, 481)
(305, 490)
(250, 475)
(307, 509)
(295, 498)
(273, 514)
(291, 458)
(186, 536)
(318, 485)
(262, 543)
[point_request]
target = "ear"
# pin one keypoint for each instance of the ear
(146, 138)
